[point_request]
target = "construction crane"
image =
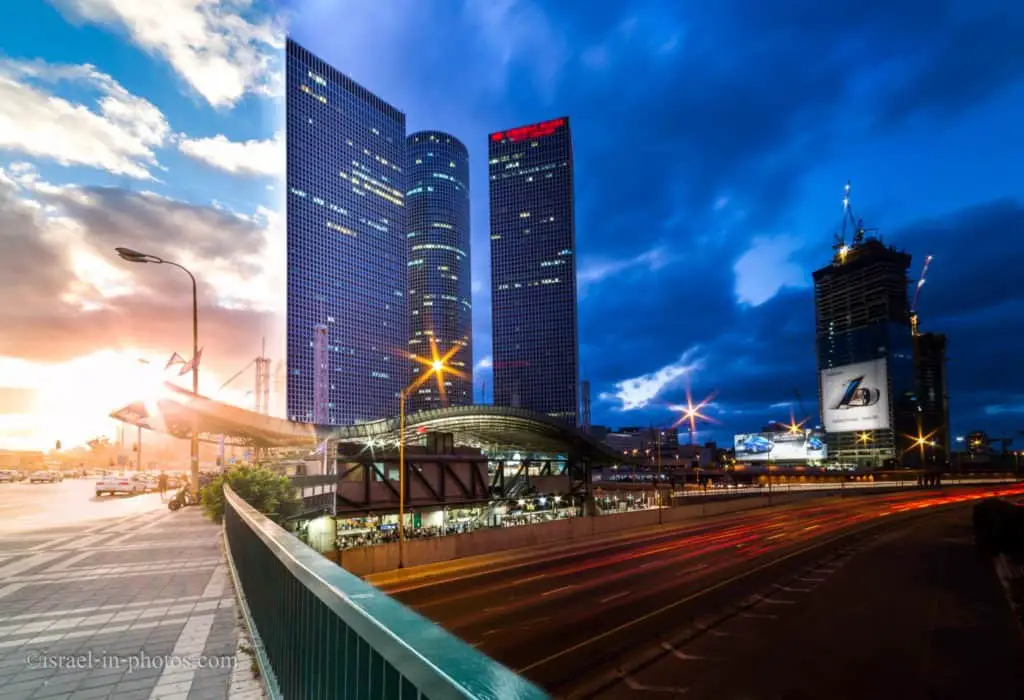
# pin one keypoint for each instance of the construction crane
(856, 226)
(917, 294)
(263, 380)
(238, 374)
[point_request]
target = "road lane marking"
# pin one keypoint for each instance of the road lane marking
(613, 597)
(556, 590)
(488, 633)
(810, 579)
(758, 616)
(789, 589)
(693, 596)
(680, 654)
(693, 569)
(775, 601)
(633, 685)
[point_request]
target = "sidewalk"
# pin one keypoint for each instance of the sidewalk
(141, 608)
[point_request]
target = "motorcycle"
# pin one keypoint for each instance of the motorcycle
(184, 497)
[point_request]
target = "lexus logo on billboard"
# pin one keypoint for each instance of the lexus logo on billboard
(855, 397)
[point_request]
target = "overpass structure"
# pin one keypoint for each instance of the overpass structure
(492, 428)
(517, 451)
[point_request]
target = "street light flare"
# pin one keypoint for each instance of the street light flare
(692, 412)
(437, 366)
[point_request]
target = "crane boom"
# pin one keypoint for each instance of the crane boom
(238, 373)
(917, 294)
(920, 283)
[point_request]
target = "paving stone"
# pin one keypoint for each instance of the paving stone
(126, 597)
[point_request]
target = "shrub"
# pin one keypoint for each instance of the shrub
(267, 492)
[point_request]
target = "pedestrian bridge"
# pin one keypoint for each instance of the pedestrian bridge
(321, 632)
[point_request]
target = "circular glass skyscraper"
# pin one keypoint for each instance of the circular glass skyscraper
(440, 303)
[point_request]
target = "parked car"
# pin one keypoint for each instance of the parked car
(7, 475)
(121, 483)
(46, 476)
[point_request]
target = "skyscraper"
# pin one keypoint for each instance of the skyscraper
(346, 249)
(533, 269)
(440, 286)
(865, 353)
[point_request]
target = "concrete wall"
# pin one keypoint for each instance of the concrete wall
(364, 561)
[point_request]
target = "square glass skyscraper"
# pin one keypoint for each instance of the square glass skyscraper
(347, 317)
(533, 269)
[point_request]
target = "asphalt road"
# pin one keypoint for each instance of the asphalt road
(564, 616)
(31, 510)
(913, 613)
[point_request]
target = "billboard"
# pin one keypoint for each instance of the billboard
(798, 446)
(855, 397)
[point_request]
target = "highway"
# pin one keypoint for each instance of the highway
(564, 613)
(911, 613)
(693, 491)
(36, 510)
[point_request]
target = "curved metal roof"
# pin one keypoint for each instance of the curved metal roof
(491, 427)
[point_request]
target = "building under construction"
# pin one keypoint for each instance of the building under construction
(863, 325)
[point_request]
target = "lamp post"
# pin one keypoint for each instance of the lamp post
(437, 366)
(659, 477)
(135, 256)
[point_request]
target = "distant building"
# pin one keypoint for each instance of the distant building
(533, 269)
(346, 245)
(865, 353)
(645, 441)
(440, 283)
(931, 393)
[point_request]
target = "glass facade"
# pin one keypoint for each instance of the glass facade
(533, 269)
(440, 286)
(346, 249)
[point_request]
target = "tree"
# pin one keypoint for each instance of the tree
(270, 494)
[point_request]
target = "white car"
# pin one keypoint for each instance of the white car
(46, 476)
(120, 483)
(7, 475)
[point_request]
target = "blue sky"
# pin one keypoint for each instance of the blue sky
(712, 143)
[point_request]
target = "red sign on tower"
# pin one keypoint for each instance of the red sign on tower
(533, 131)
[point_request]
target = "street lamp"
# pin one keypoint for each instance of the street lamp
(437, 366)
(134, 256)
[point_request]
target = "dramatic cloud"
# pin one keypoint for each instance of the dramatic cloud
(75, 296)
(638, 392)
(214, 45)
(766, 268)
(593, 270)
(252, 157)
(118, 133)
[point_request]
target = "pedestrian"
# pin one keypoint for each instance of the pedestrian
(162, 483)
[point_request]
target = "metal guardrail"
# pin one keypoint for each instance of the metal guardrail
(321, 632)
